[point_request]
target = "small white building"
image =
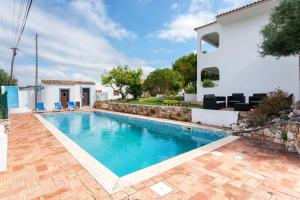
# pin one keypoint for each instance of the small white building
(81, 92)
(104, 93)
(229, 49)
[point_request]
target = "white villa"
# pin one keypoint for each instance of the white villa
(229, 47)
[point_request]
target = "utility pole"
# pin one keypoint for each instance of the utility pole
(36, 69)
(14, 49)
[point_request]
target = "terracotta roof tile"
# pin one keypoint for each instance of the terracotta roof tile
(66, 82)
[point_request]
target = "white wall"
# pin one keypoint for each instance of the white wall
(3, 149)
(190, 97)
(27, 98)
(51, 94)
(214, 117)
(109, 92)
(241, 67)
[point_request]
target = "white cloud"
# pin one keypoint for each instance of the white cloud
(181, 28)
(199, 5)
(70, 51)
(94, 11)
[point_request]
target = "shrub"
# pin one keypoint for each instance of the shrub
(283, 136)
(257, 118)
(177, 98)
(190, 89)
(270, 106)
(170, 102)
(207, 83)
(275, 102)
(136, 90)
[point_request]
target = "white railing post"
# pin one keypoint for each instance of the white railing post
(3, 149)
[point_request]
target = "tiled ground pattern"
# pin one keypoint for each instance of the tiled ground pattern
(41, 168)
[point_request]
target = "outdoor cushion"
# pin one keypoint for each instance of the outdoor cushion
(40, 106)
(235, 98)
(242, 107)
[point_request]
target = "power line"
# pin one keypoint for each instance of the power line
(29, 3)
(15, 49)
(19, 19)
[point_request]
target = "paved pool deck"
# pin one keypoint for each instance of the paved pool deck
(39, 167)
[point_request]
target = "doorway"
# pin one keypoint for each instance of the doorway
(85, 96)
(64, 97)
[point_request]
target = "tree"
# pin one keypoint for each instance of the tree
(136, 90)
(120, 78)
(164, 81)
(281, 37)
(4, 78)
(187, 67)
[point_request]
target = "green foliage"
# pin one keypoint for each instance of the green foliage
(275, 102)
(272, 105)
(257, 118)
(164, 81)
(120, 78)
(4, 79)
(207, 83)
(281, 37)
(283, 136)
(190, 89)
(170, 102)
(136, 90)
(178, 98)
(187, 67)
(3, 106)
(209, 75)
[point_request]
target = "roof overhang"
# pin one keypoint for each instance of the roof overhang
(243, 12)
(254, 9)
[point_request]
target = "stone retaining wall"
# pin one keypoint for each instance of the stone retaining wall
(167, 112)
(286, 133)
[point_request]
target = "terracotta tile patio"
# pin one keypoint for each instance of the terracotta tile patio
(39, 167)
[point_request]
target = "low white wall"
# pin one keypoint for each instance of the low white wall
(27, 98)
(214, 117)
(190, 97)
(3, 149)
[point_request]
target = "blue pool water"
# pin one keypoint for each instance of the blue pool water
(125, 144)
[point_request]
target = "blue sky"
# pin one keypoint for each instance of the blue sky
(80, 39)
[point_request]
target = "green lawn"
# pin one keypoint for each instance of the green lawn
(195, 106)
(156, 101)
(147, 101)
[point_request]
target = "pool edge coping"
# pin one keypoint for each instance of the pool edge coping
(110, 181)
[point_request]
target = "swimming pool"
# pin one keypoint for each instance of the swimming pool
(125, 144)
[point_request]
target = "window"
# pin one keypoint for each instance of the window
(210, 77)
(209, 43)
(116, 93)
